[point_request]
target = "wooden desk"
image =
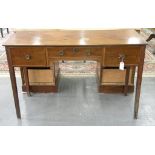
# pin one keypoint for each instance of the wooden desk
(45, 48)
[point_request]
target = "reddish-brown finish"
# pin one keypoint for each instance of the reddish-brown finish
(14, 84)
(113, 55)
(139, 81)
(73, 52)
(115, 89)
(41, 89)
(126, 81)
(28, 56)
(37, 49)
(75, 38)
(27, 81)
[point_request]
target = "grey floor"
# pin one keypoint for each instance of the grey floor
(77, 103)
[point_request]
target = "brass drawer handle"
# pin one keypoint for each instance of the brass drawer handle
(121, 57)
(61, 53)
(28, 57)
(75, 50)
(88, 52)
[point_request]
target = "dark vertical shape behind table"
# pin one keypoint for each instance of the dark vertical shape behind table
(1, 29)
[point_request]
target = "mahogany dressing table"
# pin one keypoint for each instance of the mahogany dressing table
(45, 48)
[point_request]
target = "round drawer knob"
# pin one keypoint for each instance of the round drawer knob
(28, 57)
(61, 53)
(75, 50)
(88, 52)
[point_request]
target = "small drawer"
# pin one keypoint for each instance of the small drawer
(92, 52)
(113, 55)
(41, 76)
(116, 77)
(28, 56)
(53, 52)
(73, 52)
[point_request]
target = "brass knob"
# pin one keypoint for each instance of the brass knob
(27, 57)
(88, 52)
(75, 50)
(61, 53)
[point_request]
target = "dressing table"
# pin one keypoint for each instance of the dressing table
(26, 49)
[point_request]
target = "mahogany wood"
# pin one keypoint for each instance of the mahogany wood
(75, 38)
(28, 56)
(115, 89)
(27, 81)
(113, 55)
(41, 88)
(13, 84)
(22, 75)
(41, 49)
(126, 81)
(139, 81)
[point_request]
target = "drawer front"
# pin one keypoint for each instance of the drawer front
(114, 55)
(28, 56)
(73, 52)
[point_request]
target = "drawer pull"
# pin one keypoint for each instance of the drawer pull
(28, 57)
(88, 52)
(75, 50)
(121, 57)
(61, 53)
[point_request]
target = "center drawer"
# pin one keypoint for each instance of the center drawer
(114, 55)
(73, 52)
(28, 56)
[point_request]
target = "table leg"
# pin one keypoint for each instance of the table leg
(15, 91)
(27, 81)
(13, 84)
(22, 75)
(138, 84)
(126, 80)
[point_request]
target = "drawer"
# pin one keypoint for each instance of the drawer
(41, 76)
(113, 55)
(73, 52)
(28, 56)
(116, 77)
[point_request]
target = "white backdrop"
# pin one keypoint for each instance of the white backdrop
(77, 14)
(81, 14)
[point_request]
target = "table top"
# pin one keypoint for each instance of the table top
(75, 38)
